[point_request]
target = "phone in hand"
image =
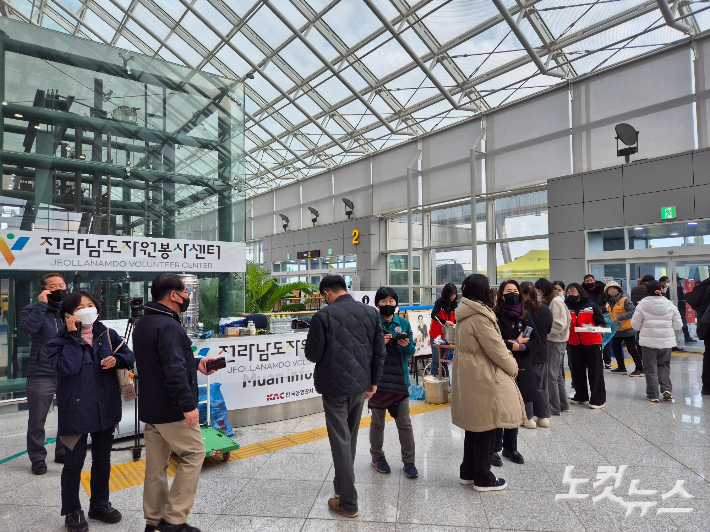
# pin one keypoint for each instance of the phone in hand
(527, 332)
(401, 336)
(214, 365)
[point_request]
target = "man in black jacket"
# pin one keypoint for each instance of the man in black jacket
(42, 322)
(347, 344)
(639, 292)
(167, 370)
(595, 290)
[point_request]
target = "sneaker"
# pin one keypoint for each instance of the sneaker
(607, 366)
(105, 513)
(596, 407)
(530, 424)
(410, 471)
(381, 465)
(496, 460)
(691, 341)
(571, 393)
(576, 402)
(636, 373)
(183, 527)
(75, 522)
(499, 485)
(565, 410)
(618, 371)
(334, 506)
(39, 467)
(543, 422)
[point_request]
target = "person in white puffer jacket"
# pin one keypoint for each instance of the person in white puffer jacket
(657, 320)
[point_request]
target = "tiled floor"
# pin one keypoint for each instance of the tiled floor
(287, 490)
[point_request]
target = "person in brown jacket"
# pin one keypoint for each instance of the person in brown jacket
(484, 394)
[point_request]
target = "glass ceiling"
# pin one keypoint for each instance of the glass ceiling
(329, 81)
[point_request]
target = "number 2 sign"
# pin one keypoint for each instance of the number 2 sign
(356, 236)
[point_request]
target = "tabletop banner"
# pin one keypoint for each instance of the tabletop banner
(48, 251)
(261, 370)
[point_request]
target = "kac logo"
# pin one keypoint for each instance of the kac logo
(275, 396)
(7, 251)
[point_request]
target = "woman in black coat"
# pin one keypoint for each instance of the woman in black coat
(513, 322)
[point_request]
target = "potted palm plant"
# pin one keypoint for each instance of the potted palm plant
(263, 292)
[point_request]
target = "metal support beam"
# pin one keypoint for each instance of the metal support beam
(474, 183)
(414, 56)
(669, 16)
(410, 228)
(524, 41)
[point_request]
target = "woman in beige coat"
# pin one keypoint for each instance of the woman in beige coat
(484, 394)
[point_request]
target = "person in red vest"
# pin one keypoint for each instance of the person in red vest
(585, 348)
(443, 314)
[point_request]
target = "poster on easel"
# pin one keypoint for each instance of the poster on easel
(420, 320)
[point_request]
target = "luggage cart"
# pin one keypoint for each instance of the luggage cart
(216, 443)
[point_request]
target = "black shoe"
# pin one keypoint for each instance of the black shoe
(691, 341)
(637, 373)
(150, 528)
(184, 527)
(514, 456)
(75, 522)
(497, 460)
(105, 513)
(705, 391)
(59, 459)
(619, 370)
(607, 366)
(39, 467)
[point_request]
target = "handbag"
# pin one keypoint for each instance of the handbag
(125, 383)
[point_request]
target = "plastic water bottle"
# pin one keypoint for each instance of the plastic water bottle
(280, 323)
(289, 323)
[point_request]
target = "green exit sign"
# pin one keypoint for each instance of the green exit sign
(288, 256)
(330, 251)
(667, 213)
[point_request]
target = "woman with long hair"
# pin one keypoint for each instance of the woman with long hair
(585, 348)
(484, 395)
(86, 358)
(556, 345)
(520, 335)
(443, 314)
(542, 316)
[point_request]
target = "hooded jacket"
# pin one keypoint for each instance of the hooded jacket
(622, 308)
(484, 395)
(560, 320)
(656, 319)
(347, 345)
(88, 397)
(42, 322)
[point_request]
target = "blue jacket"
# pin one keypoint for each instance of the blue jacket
(396, 326)
(42, 322)
(88, 397)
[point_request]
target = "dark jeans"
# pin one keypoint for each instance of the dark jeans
(631, 347)
(40, 394)
(706, 366)
(506, 439)
(569, 365)
(477, 455)
(587, 362)
(606, 353)
(342, 418)
(101, 443)
(682, 309)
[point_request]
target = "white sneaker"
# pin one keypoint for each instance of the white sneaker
(530, 424)
(571, 393)
(543, 422)
(465, 482)
(499, 485)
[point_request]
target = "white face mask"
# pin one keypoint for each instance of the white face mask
(87, 315)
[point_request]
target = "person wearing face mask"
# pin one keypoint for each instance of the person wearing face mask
(443, 314)
(513, 322)
(585, 348)
(392, 393)
(86, 358)
(168, 406)
(621, 310)
(595, 291)
(347, 344)
(42, 322)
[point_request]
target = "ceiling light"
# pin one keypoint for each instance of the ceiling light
(674, 234)
(692, 223)
(638, 228)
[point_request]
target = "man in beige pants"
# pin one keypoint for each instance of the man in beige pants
(167, 371)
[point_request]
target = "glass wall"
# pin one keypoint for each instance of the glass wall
(97, 140)
(312, 270)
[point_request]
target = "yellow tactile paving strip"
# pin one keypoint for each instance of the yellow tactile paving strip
(130, 474)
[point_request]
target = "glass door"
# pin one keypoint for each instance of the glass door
(687, 274)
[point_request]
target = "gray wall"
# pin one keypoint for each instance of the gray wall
(338, 237)
(620, 196)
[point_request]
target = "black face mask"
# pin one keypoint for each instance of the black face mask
(387, 310)
(511, 298)
(57, 296)
(571, 300)
(185, 303)
(589, 286)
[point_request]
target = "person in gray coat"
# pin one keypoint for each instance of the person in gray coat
(621, 309)
(347, 344)
(42, 322)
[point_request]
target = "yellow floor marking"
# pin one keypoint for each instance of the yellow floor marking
(130, 474)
